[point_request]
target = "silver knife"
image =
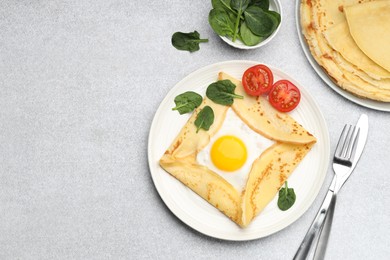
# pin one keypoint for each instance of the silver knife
(319, 231)
(322, 242)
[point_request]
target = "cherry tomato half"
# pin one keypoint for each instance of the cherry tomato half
(257, 80)
(284, 96)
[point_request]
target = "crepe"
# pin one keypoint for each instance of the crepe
(262, 118)
(268, 172)
(322, 26)
(371, 34)
(340, 39)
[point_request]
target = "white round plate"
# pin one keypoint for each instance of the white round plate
(306, 180)
(382, 106)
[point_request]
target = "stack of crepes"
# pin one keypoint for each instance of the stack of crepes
(350, 39)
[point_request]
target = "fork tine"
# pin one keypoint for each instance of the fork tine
(341, 142)
(352, 143)
(347, 142)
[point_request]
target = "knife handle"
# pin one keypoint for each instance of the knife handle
(322, 242)
(315, 228)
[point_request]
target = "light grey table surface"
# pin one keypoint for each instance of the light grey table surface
(80, 82)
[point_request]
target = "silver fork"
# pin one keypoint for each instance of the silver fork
(348, 151)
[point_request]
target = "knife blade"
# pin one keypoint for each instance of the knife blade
(323, 236)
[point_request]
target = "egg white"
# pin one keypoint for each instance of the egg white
(254, 142)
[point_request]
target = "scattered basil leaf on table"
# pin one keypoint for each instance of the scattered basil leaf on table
(286, 197)
(187, 41)
(221, 22)
(260, 22)
(222, 92)
(204, 119)
(248, 37)
(187, 102)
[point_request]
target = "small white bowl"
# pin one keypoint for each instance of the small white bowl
(274, 5)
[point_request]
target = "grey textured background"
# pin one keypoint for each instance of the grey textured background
(80, 82)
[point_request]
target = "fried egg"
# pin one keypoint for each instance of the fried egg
(228, 153)
(232, 150)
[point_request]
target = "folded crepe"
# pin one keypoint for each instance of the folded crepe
(269, 171)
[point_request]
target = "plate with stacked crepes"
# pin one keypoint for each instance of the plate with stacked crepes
(347, 42)
(232, 165)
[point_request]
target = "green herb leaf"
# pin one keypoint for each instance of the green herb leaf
(247, 37)
(263, 4)
(187, 102)
(225, 6)
(204, 119)
(222, 92)
(187, 41)
(251, 21)
(239, 6)
(286, 197)
(275, 14)
(222, 4)
(260, 22)
(221, 22)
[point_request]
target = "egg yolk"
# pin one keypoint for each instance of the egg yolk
(228, 153)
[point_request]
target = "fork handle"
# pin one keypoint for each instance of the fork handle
(315, 228)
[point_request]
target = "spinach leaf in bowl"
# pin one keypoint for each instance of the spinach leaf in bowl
(263, 4)
(221, 22)
(250, 21)
(222, 5)
(240, 6)
(248, 37)
(260, 22)
(276, 15)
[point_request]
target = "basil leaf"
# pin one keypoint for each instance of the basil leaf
(247, 37)
(275, 14)
(187, 41)
(204, 119)
(222, 92)
(286, 197)
(260, 22)
(225, 6)
(222, 4)
(239, 6)
(221, 23)
(187, 102)
(263, 4)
